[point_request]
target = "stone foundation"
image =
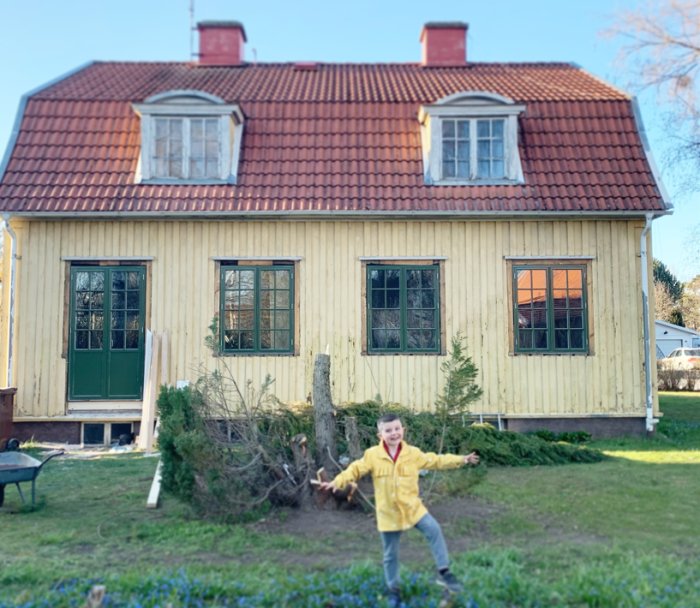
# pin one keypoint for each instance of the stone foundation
(55, 432)
(599, 428)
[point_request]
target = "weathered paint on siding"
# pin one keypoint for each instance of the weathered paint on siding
(183, 299)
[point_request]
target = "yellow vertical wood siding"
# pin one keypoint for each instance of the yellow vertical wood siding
(183, 299)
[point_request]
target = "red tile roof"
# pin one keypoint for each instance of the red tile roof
(337, 137)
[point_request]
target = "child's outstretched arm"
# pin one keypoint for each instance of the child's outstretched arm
(358, 468)
(433, 461)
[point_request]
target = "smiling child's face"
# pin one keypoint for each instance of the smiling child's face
(391, 433)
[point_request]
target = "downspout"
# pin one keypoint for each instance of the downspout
(650, 420)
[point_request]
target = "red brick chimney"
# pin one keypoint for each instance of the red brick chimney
(221, 42)
(444, 43)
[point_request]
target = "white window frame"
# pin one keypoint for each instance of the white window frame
(471, 106)
(186, 105)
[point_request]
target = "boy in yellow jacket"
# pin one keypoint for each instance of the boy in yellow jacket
(395, 467)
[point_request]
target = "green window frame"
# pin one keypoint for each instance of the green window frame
(257, 309)
(550, 308)
(403, 309)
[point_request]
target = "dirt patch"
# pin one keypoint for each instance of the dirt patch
(468, 523)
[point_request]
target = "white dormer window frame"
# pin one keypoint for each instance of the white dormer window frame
(471, 138)
(189, 137)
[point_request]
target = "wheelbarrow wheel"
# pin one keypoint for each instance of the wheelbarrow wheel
(12, 445)
(2, 493)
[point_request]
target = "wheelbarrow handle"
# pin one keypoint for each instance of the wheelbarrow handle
(50, 455)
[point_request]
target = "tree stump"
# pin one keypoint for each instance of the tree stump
(323, 414)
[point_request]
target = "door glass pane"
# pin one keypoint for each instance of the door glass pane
(118, 321)
(96, 320)
(132, 339)
(132, 320)
(118, 339)
(96, 340)
(82, 340)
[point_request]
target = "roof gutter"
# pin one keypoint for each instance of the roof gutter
(334, 214)
(11, 311)
(650, 420)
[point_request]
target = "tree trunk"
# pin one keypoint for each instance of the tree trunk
(323, 415)
(352, 436)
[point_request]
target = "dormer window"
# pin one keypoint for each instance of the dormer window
(471, 138)
(186, 148)
(189, 136)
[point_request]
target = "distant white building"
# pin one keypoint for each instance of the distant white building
(670, 336)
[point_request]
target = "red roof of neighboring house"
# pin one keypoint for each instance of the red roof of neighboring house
(329, 138)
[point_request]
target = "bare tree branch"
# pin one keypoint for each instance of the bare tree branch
(662, 51)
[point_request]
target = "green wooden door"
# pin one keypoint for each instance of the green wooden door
(106, 354)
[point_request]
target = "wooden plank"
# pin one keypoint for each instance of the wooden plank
(153, 344)
(154, 494)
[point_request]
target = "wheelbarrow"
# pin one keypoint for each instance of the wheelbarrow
(16, 467)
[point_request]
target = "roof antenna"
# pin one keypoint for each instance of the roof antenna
(192, 30)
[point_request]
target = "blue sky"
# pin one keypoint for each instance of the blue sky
(43, 39)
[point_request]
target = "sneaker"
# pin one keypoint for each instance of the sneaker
(449, 581)
(394, 597)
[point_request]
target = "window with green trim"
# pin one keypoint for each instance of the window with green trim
(257, 309)
(403, 309)
(550, 308)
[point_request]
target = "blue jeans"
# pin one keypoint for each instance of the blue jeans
(430, 528)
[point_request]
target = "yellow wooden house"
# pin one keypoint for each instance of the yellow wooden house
(371, 211)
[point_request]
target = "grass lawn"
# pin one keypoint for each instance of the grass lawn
(621, 533)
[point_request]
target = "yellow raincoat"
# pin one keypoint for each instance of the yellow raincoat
(399, 506)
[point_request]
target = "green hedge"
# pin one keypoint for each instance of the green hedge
(219, 478)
